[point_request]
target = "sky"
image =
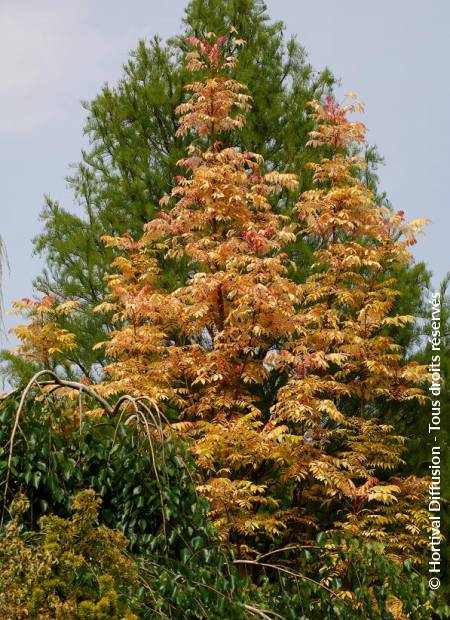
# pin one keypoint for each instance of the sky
(55, 54)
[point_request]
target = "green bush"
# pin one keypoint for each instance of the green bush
(343, 577)
(148, 493)
(74, 568)
(155, 554)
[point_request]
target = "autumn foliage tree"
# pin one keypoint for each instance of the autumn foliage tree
(282, 390)
(345, 362)
(203, 347)
(44, 340)
(131, 151)
(275, 383)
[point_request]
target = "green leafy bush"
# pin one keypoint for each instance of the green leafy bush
(74, 568)
(142, 491)
(147, 492)
(343, 577)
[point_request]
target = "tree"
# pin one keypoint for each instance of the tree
(44, 341)
(132, 160)
(146, 482)
(65, 565)
(346, 362)
(275, 382)
(195, 346)
(285, 382)
(134, 148)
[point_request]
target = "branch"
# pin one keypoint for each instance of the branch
(286, 570)
(58, 382)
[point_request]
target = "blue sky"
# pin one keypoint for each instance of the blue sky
(54, 54)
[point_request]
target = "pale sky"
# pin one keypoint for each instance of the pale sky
(53, 54)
